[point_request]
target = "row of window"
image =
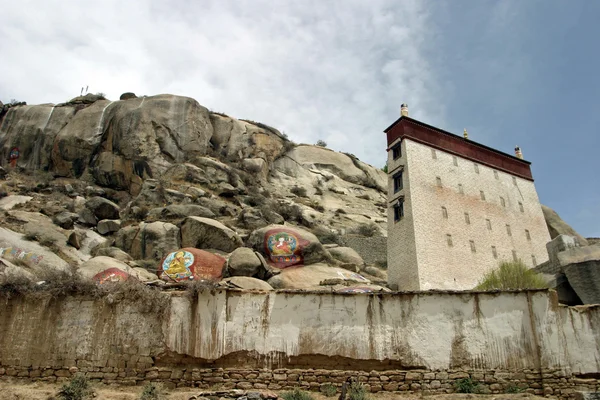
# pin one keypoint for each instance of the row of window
(438, 181)
(397, 153)
(488, 223)
(494, 251)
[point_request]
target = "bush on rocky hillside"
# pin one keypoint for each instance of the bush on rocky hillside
(510, 276)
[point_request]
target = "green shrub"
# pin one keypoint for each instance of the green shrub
(78, 388)
(512, 388)
(466, 385)
(321, 143)
(327, 236)
(296, 394)
(357, 391)
(510, 276)
(385, 168)
(151, 392)
(329, 390)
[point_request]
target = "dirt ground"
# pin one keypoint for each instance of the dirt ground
(21, 390)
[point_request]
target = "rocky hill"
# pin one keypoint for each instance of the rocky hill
(93, 184)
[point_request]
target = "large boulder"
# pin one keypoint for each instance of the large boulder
(347, 255)
(102, 208)
(246, 283)
(285, 246)
(206, 233)
(311, 276)
(556, 226)
(114, 252)
(106, 270)
(32, 130)
(13, 246)
(148, 240)
(9, 202)
(243, 262)
(581, 266)
(189, 264)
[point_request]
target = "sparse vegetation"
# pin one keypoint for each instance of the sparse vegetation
(194, 288)
(327, 236)
(466, 385)
(317, 206)
(288, 146)
(289, 212)
(510, 276)
(299, 191)
(318, 191)
(151, 391)
(297, 394)
(321, 143)
(329, 390)
(512, 388)
(385, 168)
(78, 388)
(368, 230)
(357, 391)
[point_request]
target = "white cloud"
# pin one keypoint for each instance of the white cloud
(336, 71)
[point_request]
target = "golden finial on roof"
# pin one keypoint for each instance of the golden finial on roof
(465, 134)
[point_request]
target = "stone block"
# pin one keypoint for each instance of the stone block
(429, 376)
(245, 385)
(413, 376)
(280, 377)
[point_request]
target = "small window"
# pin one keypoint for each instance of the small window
(489, 224)
(527, 235)
(509, 233)
(449, 240)
(496, 174)
(455, 161)
(467, 219)
(494, 252)
(444, 212)
(397, 151)
(472, 243)
(476, 168)
(514, 180)
(399, 210)
(482, 195)
(502, 202)
(438, 181)
(460, 189)
(514, 253)
(433, 154)
(398, 184)
(521, 207)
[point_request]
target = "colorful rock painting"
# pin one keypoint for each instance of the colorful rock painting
(17, 253)
(191, 264)
(111, 275)
(14, 156)
(284, 248)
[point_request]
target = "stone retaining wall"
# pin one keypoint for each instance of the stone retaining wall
(543, 383)
(371, 249)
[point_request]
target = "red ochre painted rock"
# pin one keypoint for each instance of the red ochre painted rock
(284, 247)
(111, 275)
(190, 264)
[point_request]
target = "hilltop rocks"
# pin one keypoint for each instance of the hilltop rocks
(179, 211)
(205, 233)
(189, 264)
(285, 246)
(311, 276)
(128, 96)
(581, 266)
(556, 226)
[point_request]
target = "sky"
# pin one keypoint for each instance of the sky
(513, 72)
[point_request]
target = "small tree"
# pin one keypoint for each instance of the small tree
(385, 168)
(510, 276)
(321, 143)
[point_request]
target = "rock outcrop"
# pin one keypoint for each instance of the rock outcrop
(556, 226)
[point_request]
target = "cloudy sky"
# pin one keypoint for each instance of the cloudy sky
(511, 72)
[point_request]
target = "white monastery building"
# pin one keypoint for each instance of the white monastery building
(456, 208)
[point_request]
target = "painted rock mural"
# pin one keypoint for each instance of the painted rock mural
(284, 247)
(111, 275)
(190, 264)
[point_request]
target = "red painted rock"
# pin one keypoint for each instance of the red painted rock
(189, 264)
(111, 275)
